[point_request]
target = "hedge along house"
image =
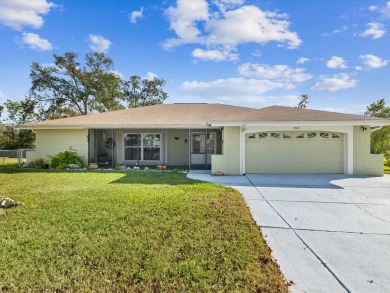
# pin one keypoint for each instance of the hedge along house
(223, 138)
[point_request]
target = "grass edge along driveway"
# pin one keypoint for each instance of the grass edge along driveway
(129, 231)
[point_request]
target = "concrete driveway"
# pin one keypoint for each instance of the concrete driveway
(329, 233)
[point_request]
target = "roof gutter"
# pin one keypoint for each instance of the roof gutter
(307, 123)
(119, 126)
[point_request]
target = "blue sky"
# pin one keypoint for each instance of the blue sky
(251, 53)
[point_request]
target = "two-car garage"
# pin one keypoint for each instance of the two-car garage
(294, 152)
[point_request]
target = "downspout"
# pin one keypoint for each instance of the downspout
(189, 149)
(207, 147)
(89, 151)
(350, 151)
(242, 150)
(139, 147)
(164, 145)
(113, 147)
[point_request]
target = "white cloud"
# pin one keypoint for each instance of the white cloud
(277, 72)
(35, 42)
(99, 43)
(150, 76)
(231, 87)
(335, 83)
(302, 60)
(215, 55)
(373, 8)
(336, 62)
(183, 19)
(224, 5)
(240, 95)
(372, 61)
(117, 73)
(256, 53)
(255, 26)
(261, 101)
(385, 11)
(351, 109)
(193, 24)
(232, 2)
(23, 13)
(374, 30)
(135, 15)
(337, 31)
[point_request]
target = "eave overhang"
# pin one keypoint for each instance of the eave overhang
(306, 123)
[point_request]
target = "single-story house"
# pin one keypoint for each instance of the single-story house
(218, 137)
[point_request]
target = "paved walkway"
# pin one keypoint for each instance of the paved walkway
(329, 233)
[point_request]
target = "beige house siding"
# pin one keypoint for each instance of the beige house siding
(53, 141)
(178, 150)
(229, 162)
(364, 162)
(31, 155)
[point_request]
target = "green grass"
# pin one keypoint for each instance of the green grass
(8, 161)
(107, 231)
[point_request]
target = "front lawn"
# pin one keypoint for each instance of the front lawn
(129, 232)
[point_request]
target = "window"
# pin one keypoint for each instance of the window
(151, 147)
(311, 135)
(286, 135)
(335, 135)
(251, 136)
(132, 148)
(324, 134)
(275, 135)
(263, 135)
(302, 135)
(148, 150)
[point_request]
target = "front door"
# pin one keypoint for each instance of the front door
(203, 145)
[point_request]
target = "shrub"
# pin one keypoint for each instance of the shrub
(63, 159)
(38, 163)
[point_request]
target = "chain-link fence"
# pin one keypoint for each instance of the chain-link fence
(19, 155)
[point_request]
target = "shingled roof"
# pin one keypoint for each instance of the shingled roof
(199, 115)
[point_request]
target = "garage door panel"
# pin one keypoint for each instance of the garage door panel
(295, 155)
(299, 167)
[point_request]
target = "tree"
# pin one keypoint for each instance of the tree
(304, 101)
(380, 139)
(67, 88)
(378, 109)
(139, 92)
(19, 112)
(1, 110)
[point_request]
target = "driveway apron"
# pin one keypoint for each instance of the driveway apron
(329, 233)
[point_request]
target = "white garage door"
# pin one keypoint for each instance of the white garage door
(294, 152)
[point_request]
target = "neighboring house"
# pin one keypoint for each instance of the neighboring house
(228, 139)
